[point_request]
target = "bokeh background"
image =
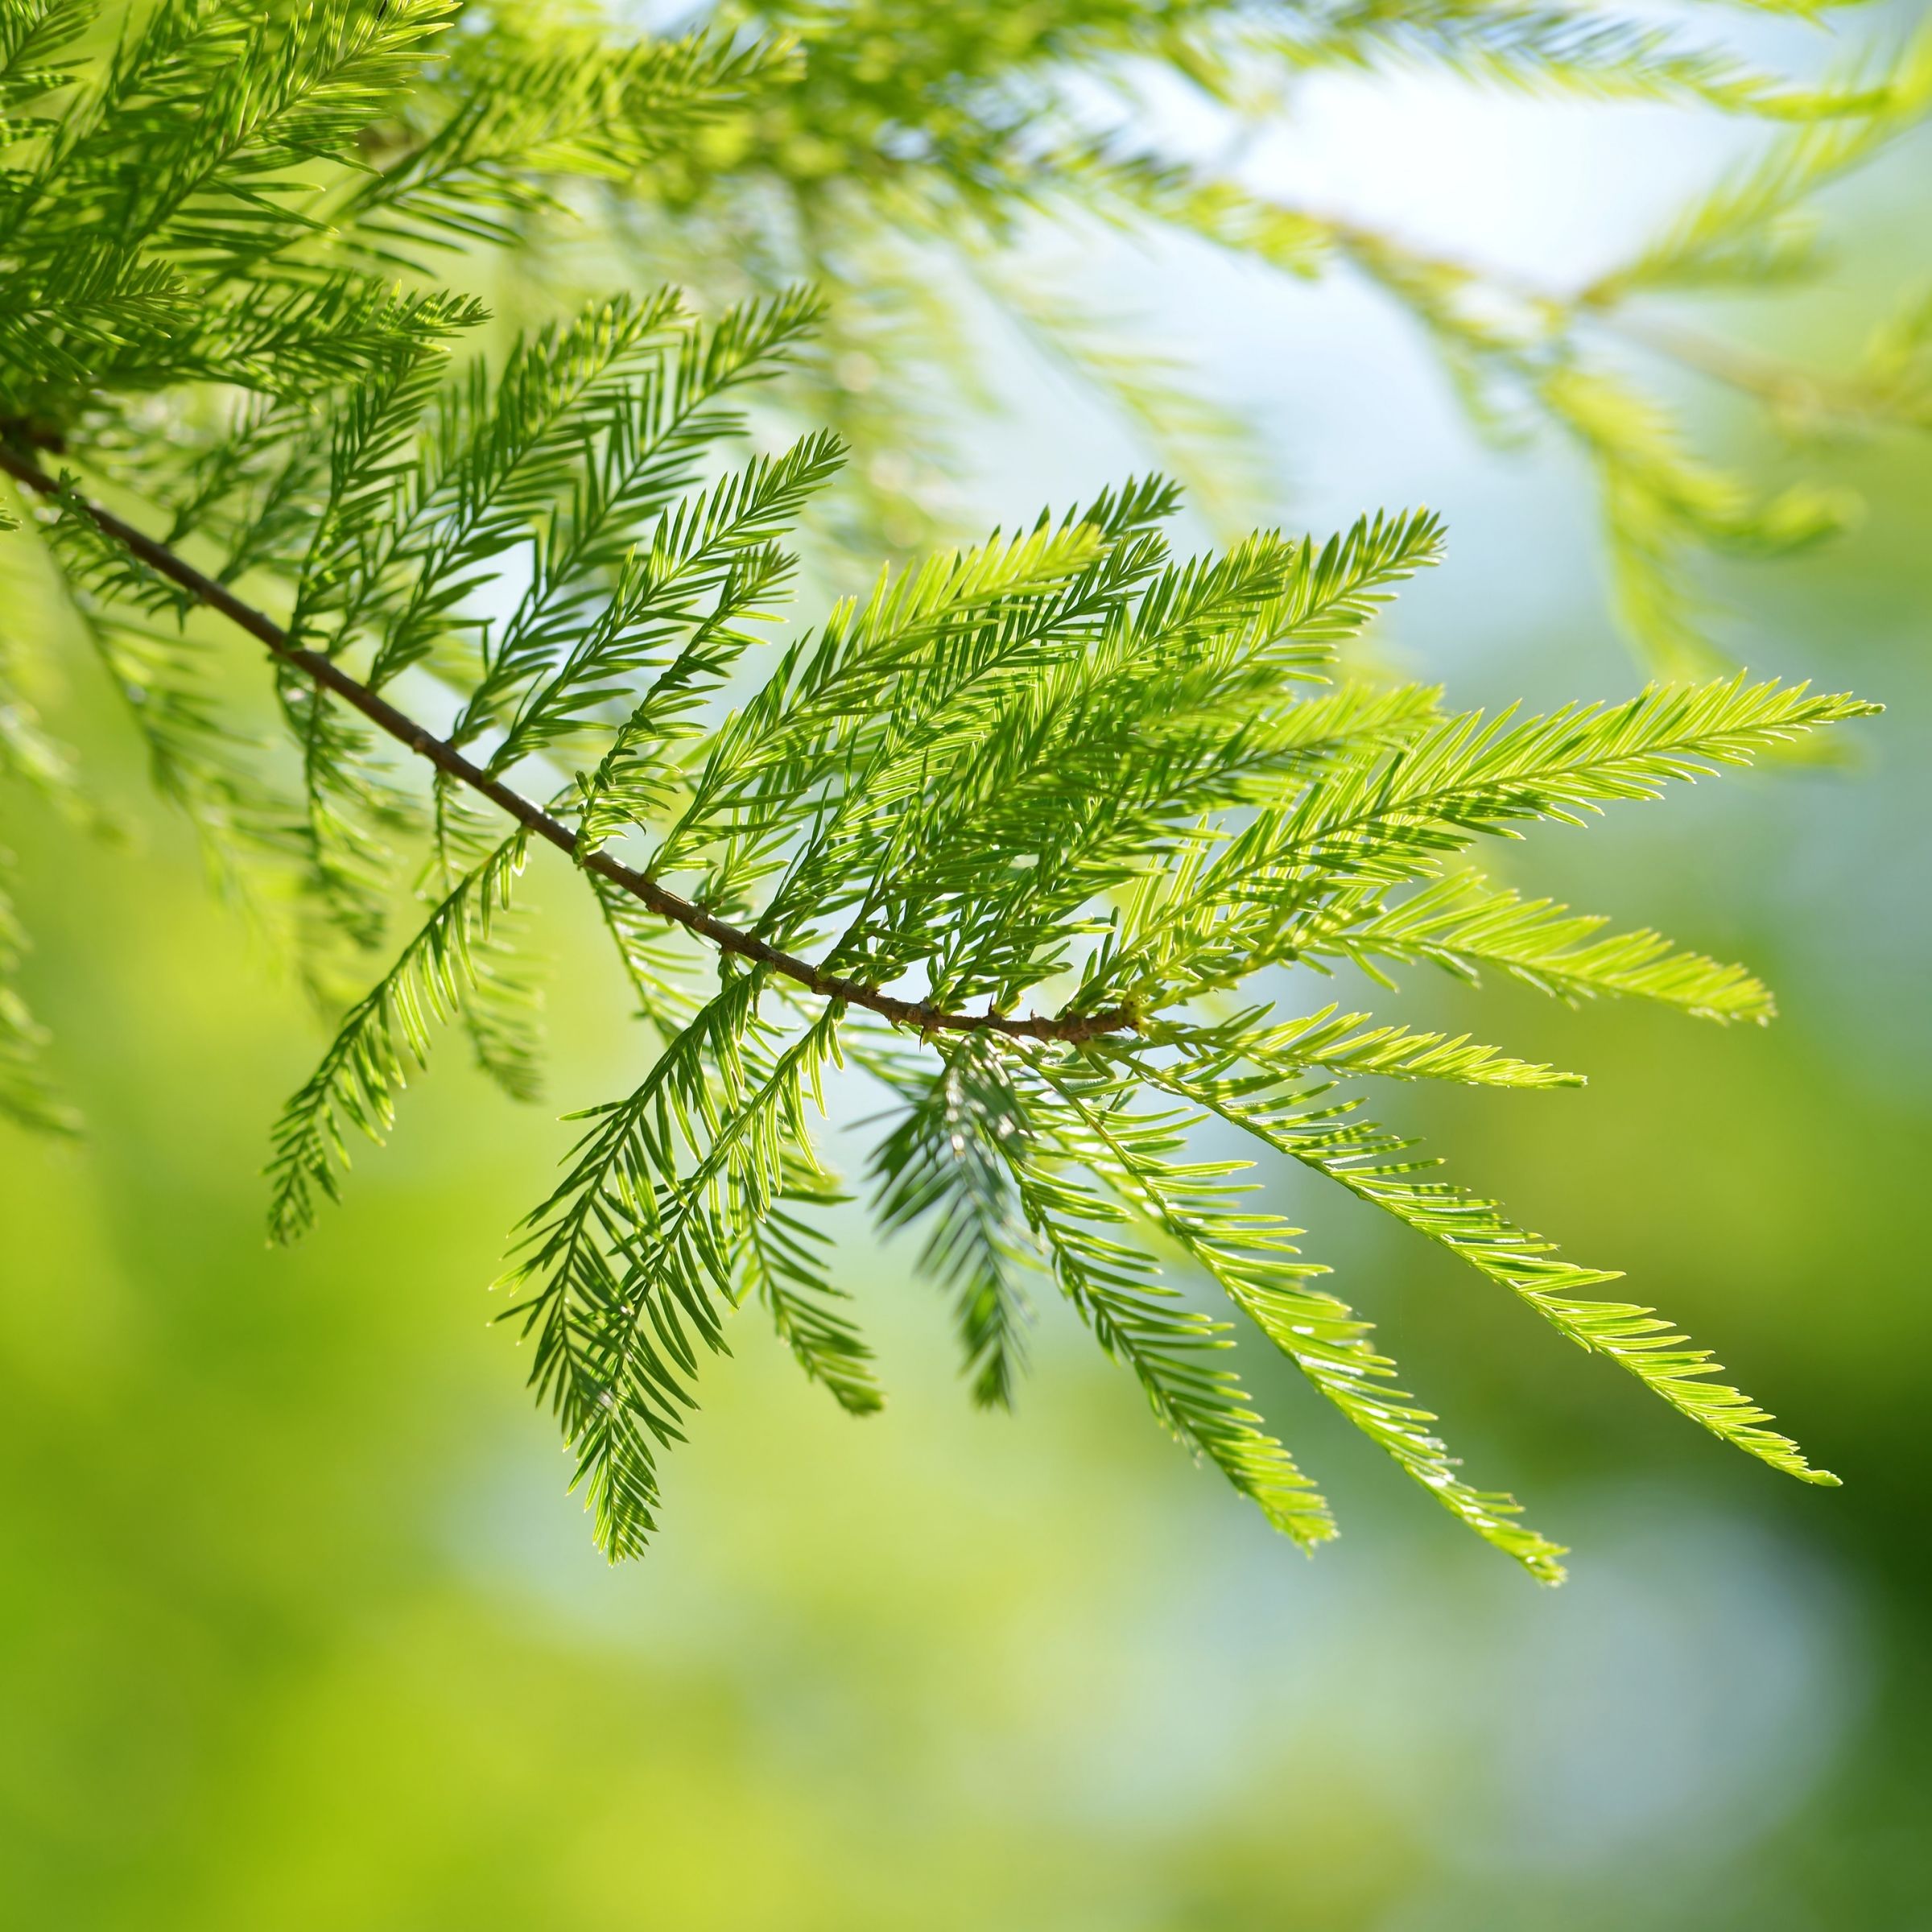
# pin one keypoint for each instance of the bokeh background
(299, 1629)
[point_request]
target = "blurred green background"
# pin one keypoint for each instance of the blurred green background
(299, 1629)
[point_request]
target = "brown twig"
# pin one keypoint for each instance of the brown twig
(446, 758)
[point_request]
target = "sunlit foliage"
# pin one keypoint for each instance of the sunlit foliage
(1023, 833)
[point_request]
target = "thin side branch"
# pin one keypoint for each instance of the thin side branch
(1766, 378)
(1786, 385)
(447, 758)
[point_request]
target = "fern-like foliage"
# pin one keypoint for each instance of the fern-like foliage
(445, 968)
(1016, 841)
(905, 137)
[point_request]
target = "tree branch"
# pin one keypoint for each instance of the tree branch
(1766, 378)
(1769, 379)
(447, 758)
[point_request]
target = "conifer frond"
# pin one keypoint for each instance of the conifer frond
(199, 760)
(1007, 825)
(1753, 226)
(1552, 50)
(1334, 1042)
(1661, 503)
(1251, 1257)
(367, 1064)
(945, 1159)
(517, 109)
(832, 701)
(352, 814)
(656, 967)
(493, 454)
(364, 472)
(631, 1262)
(996, 746)
(1518, 351)
(1139, 1321)
(1385, 818)
(1339, 588)
(33, 34)
(1378, 1166)
(1471, 775)
(634, 779)
(986, 745)
(708, 561)
(170, 176)
(633, 381)
(1464, 925)
(502, 1004)
(998, 1175)
(785, 1266)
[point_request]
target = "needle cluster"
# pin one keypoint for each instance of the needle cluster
(1025, 836)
